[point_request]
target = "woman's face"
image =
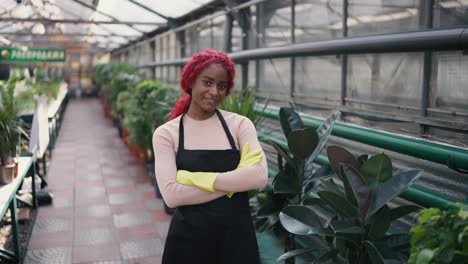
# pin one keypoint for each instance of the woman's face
(209, 88)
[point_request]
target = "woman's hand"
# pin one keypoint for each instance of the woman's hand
(248, 159)
(202, 180)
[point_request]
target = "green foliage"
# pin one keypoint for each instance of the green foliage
(358, 230)
(9, 121)
(103, 74)
(243, 103)
(124, 78)
(441, 236)
(122, 103)
(146, 108)
(291, 185)
(48, 88)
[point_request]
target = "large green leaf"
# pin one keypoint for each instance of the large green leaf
(325, 257)
(373, 253)
(377, 169)
(379, 223)
(287, 181)
(282, 152)
(337, 155)
(425, 256)
(358, 186)
(346, 225)
(329, 185)
(338, 203)
(299, 219)
(323, 132)
(386, 191)
(323, 173)
(290, 120)
(267, 210)
(313, 201)
(302, 142)
(321, 232)
(295, 253)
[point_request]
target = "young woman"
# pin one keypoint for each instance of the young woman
(201, 171)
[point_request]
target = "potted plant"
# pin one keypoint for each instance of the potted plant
(358, 229)
(296, 176)
(441, 236)
(146, 108)
(9, 130)
(244, 103)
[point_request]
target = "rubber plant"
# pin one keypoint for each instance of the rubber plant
(357, 231)
(296, 176)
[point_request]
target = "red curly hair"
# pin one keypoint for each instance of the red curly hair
(193, 68)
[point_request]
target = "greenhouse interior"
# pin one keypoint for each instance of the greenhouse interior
(358, 111)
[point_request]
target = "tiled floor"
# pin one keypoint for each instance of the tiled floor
(104, 208)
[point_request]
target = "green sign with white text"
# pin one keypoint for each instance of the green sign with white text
(31, 55)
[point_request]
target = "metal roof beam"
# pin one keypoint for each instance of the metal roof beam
(169, 19)
(15, 33)
(78, 21)
(105, 14)
(77, 16)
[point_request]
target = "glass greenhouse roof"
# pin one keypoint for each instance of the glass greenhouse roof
(100, 24)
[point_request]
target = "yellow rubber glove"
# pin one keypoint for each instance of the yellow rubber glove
(202, 180)
(248, 159)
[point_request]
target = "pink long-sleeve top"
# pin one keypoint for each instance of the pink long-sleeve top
(205, 134)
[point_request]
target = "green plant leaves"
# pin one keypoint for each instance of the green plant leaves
(386, 191)
(282, 152)
(324, 131)
(377, 169)
(290, 120)
(298, 219)
(302, 142)
(338, 155)
(373, 253)
(287, 181)
(338, 203)
(244, 103)
(295, 253)
(325, 257)
(357, 186)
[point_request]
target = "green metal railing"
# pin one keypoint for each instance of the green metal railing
(453, 157)
(416, 194)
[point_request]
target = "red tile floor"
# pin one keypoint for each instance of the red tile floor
(104, 208)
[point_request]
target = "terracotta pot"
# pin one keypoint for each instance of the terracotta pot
(15, 170)
(7, 173)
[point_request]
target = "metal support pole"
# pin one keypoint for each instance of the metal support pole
(14, 225)
(227, 40)
(260, 28)
(427, 66)
(245, 25)
(293, 40)
(344, 57)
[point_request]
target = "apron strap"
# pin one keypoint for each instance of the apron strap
(226, 129)
(181, 133)
(223, 123)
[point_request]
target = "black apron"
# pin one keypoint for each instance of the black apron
(220, 231)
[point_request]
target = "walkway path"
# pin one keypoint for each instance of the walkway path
(104, 208)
